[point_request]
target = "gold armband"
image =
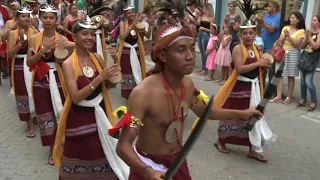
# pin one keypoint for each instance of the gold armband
(135, 122)
(194, 105)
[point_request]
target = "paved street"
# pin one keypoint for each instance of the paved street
(294, 156)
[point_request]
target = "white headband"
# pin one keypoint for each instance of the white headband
(178, 38)
(128, 8)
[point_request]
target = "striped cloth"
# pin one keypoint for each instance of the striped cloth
(290, 63)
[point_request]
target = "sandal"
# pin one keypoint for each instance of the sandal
(208, 78)
(30, 134)
(259, 158)
(203, 72)
(276, 100)
(287, 101)
(312, 108)
(301, 104)
(50, 160)
(221, 148)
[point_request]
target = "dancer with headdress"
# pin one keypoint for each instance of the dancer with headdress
(86, 154)
(156, 111)
(21, 76)
(131, 51)
(242, 90)
(48, 83)
(10, 23)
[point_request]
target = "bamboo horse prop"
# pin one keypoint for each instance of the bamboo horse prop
(99, 21)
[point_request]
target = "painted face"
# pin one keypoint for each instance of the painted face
(49, 20)
(180, 56)
(85, 38)
(248, 35)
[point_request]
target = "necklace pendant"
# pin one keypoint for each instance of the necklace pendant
(251, 54)
(183, 108)
(173, 132)
(88, 71)
(133, 32)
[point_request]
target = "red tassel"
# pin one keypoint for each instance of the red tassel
(41, 69)
(196, 92)
(125, 120)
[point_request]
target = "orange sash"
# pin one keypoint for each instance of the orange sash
(227, 87)
(35, 67)
(15, 38)
(141, 51)
(57, 151)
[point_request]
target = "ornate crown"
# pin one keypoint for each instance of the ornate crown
(128, 8)
(171, 29)
(25, 10)
(87, 23)
(49, 8)
(249, 24)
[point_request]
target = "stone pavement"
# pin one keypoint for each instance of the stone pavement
(294, 156)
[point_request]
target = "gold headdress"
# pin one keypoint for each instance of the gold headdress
(49, 8)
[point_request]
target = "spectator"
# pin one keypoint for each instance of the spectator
(291, 38)
(270, 25)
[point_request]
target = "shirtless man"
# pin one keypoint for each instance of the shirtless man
(155, 102)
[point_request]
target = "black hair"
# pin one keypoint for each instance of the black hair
(70, 7)
(55, 14)
(301, 24)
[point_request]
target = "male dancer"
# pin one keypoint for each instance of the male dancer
(158, 106)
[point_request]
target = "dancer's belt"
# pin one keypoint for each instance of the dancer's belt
(54, 91)
(21, 56)
(149, 162)
(135, 63)
(261, 131)
(108, 143)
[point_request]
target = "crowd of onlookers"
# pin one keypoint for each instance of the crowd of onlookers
(300, 47)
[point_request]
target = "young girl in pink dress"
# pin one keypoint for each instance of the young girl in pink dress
(223, 57)
(211, 52)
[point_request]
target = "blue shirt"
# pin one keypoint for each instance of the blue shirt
(270, 38)
(259, 42)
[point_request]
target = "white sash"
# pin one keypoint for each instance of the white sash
(27, 80)
(108, 142)
(149, 162)
(261, 132)
(54, 91)
(98, 42)
(135, 63)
